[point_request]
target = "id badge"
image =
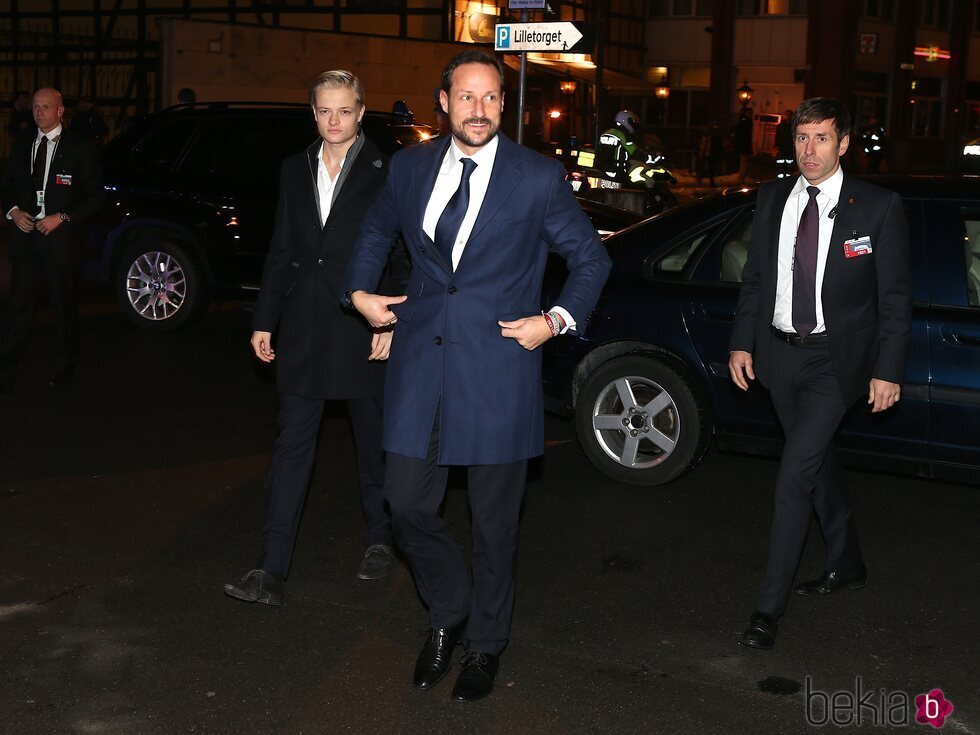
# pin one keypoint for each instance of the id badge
(40, 197)
(857, 246)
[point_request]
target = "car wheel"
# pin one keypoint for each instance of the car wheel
(159, 285)
(641, 421)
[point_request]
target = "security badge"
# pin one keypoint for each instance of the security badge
(40, 197)
(858, 246)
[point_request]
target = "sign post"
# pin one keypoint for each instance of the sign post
(559, 37)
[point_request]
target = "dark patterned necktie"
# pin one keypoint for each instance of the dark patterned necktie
(805, 267)
(40, 159)
(452, 216)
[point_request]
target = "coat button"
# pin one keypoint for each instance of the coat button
(452, 290)
(422, 250)
(437, 341)
(320, 263)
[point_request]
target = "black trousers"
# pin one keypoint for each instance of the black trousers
(40, 262)
(292, 467)
(415, 489)
(808, 403)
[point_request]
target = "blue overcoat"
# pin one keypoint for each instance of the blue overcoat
(447, 352)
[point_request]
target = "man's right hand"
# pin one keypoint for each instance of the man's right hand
(22, 220)
(374, 308)
(262, 344)
(740, 366)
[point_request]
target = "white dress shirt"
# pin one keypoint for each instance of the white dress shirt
(447, 182)
(827, 199)
(52, 138)
(325, 185)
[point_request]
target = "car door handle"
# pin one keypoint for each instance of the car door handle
(716, 313)
(961, 336)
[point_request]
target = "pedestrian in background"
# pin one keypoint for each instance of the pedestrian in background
(88, 122)
(51, 186)
(478, 214)
(322, 350)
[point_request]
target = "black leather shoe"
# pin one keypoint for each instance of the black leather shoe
(436, 656)
(257, 586)
(761, 632)
(476, 675)
(376, 562)
(853, 579)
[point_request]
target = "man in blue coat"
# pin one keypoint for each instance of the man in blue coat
(477, 214)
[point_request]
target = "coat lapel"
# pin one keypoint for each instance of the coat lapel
(776, 221)
(311, 159)
(506, 175)
(424, 182)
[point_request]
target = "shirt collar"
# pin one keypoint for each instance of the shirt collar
(830, 187)
(321, 166)
(51, 134)
(483, 157)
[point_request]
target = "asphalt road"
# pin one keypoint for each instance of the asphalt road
(128, 499)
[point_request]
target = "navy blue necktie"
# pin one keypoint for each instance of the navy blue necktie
(452, 216)
(805, 267)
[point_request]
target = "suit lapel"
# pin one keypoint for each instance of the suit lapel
(776, 221)
(844, 229)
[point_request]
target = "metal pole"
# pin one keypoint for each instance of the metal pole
(520, 89)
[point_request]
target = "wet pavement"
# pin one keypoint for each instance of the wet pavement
(129, 498)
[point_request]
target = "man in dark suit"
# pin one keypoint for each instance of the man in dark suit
(323, 351)
(477, 214)
(51, 186)
(823, 319)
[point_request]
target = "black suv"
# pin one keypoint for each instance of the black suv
(191, 195)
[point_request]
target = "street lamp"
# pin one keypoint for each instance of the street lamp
(662, 90)
(745, 93)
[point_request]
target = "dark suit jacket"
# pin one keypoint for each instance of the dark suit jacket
(867, 300)
(321, 347)
(75, 159)
(448, 351)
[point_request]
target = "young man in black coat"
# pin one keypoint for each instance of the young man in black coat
(322, 351)
(52, 184)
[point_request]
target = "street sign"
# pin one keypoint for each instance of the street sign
(560, 37)
(527, 4)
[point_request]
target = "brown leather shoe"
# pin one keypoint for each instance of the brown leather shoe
(853, 579)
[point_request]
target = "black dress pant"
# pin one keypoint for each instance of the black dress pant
(40, 262)
(415, 489)
(808, 403)
(292, 467)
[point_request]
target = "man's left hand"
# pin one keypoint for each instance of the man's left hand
(882, 395)
(530, 332)
(380, 343)
(49, 224)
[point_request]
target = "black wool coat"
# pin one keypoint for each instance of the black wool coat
(322, 347)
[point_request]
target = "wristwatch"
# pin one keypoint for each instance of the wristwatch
(65, 217)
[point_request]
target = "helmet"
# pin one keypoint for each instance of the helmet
(627, 120)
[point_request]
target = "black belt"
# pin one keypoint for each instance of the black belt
(797, 341)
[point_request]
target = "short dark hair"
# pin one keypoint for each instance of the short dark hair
(818, 109)
(470, 57)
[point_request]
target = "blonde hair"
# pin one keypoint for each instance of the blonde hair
(334, 80)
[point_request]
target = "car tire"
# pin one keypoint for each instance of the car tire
(668, 421)
(159, 285)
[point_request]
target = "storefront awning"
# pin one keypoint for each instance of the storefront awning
(614, 81)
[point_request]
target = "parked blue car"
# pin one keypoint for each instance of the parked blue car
(648, 383)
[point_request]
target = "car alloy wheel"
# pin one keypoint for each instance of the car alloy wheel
(158, 285)
(640, 421)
